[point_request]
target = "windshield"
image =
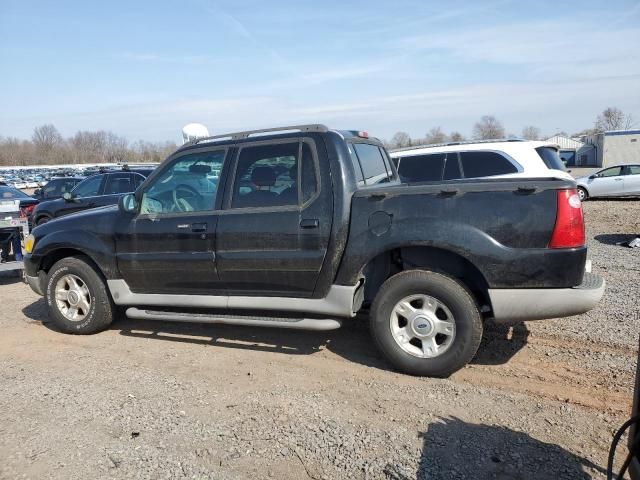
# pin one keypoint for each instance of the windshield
(551, 158)
(8, 193)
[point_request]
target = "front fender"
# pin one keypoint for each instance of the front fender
(99, 248)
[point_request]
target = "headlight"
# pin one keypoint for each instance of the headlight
(29, 242)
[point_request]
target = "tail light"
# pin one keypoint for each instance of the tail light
(26, 211)
(568, 231)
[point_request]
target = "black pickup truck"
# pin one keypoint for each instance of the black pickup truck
(303, 227)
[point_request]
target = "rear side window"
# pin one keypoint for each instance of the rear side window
(122, 183)
(372, 163)
(309, 174)
(267, 176)
(422, 168)
(634, 170)
(551, 158)
(485, 164)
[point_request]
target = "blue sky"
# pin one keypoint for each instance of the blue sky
(144, 69)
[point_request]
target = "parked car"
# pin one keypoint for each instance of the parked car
(618, 181)
(304, 227)
(95, 191)
(460, 160)
(56, 188)
(27, 203)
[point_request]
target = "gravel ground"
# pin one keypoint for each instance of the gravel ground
(160, 400)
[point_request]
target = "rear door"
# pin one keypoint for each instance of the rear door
(632, 180)
(273, 234)
(608, 182)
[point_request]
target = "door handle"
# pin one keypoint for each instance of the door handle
(618, 179)
(198, 227)
(309, 223)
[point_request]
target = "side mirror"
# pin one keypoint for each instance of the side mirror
(68, 197)
(128, 203)
(591, 177)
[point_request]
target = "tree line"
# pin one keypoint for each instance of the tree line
(490, 128)
(48, 147)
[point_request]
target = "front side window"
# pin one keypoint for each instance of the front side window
(485, 164)
(89, 187)
(372, 163)
(610, 172)
(267, 176)
(188, 184)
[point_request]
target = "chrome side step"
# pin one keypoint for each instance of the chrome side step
(247, 320)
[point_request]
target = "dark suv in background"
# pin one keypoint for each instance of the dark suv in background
(56, 188)
(95, 191)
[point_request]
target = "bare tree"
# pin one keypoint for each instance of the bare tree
(435, 135)
(488, 128)
(46, 137)
(613, 118)
(48, 147)
(531, 133)
(400, 140)
(456, 137)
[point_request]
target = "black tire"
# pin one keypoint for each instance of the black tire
(583, 194)
(448, 291)
(101, 311)
(42, 220)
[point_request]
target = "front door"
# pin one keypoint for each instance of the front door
(168, 247)
(607, 182)
(273, 235)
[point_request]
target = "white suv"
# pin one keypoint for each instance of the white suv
(496, 158)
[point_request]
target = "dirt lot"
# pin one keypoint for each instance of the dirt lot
(160, 400)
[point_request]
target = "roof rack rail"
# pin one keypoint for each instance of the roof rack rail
(250, 133)
(465, 142)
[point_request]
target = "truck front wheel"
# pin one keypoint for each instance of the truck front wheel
(426, 323)
(77, 297)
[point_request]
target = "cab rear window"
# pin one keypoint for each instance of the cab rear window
(373, 166)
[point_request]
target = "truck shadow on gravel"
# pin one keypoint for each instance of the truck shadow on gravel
(352, 342)
(453, 448)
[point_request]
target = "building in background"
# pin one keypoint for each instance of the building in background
(568, 148)
(614, 147)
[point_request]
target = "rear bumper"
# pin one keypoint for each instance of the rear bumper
(516, 305)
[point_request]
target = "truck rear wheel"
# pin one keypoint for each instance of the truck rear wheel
(77, 297)
(426, 323)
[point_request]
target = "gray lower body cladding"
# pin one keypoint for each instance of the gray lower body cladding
(338, 302)
(516, 305)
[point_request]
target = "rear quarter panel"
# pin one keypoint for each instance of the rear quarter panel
(498, 227)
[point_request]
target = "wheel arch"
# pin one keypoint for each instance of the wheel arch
(394, 260)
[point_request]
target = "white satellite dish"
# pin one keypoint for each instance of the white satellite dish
(194, 131)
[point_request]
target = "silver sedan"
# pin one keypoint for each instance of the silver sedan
(618, 181)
